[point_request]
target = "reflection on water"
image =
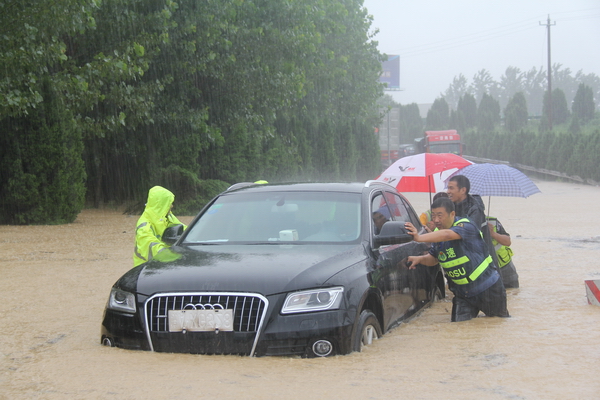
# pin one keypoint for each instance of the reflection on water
(55, 281)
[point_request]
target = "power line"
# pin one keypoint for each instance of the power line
(478, 37)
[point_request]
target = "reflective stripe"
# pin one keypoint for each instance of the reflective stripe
(478, 271)
(135, 251)
(455, 262)
(503, 253)
(150, 249)
(467, 220)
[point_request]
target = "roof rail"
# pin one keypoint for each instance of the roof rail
(372, 181)
(240, 185)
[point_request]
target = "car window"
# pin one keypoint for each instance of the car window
(380, 213)
(412, 215)
(391, 207)
(397, 207)
(279, 217)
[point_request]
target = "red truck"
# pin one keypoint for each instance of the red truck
(441, 142)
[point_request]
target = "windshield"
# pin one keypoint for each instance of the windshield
(279, 217)
(445, 148)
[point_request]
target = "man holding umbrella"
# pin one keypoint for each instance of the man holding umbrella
(472, 207)
(465, 204)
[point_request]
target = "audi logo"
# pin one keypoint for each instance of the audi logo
(203, 306)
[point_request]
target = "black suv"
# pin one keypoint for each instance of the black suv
(307, 269)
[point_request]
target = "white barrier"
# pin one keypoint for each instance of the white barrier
(593, 291)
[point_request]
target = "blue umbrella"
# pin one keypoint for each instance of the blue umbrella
(497, 180)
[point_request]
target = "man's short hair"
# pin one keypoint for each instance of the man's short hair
(439, 194)
(444, 202)
(462, 182)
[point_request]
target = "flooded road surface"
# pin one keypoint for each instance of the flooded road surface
(54, 282)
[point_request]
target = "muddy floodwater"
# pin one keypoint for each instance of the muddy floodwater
(54, 282)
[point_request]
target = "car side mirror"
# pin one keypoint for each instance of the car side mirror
(392, 232)
(172, 234)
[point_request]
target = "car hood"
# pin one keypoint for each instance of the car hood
(265, 269)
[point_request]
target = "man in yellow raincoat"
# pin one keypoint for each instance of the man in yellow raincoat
(150, 227)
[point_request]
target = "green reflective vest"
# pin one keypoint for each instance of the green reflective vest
(504, 253)
(458, 265)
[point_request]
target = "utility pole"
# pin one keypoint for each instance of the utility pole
(548, 25)
(389, 156)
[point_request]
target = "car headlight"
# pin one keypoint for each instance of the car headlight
(121, 300)
(313, 300)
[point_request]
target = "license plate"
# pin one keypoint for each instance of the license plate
(200, 320)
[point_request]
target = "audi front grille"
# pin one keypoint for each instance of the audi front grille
(248, 310)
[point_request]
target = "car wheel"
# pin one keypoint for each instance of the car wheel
(367, 330)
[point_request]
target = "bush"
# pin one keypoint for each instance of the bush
(42, 173)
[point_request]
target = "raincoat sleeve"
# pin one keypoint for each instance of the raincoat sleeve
(147, 244)
(173, 220)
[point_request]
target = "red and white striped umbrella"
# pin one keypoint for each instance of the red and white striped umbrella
(423, 172)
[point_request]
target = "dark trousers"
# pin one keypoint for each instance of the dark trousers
(491, 301)
(510, 278)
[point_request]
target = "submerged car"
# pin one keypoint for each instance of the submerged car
(307, 269)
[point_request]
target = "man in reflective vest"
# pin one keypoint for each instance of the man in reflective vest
(425, 217)
(501, 241)
(459, 248)
(157, 217)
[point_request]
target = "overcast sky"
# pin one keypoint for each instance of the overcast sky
(439, 39)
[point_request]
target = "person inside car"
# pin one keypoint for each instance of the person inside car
(380, 217)
(155, 219)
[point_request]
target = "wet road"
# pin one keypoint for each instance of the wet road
(54, 282)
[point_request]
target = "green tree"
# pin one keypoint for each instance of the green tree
(217, 90)
(455, 91)
(515, 113)
(483, 83)
(560, 111)
(41, 172)
(583, 104)
(411, 121)
(488, 113)
(438, 116)
(41, 169)
(534, 82)
(31, 48)
(510, 84)
(467, 110)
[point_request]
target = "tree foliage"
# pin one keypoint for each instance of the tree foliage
(532, 83)
(41, 170)
(575, 155)
(438, 116)
(559, 113)
(411, 122)
(467, 112)
(455, 91)
(515, 113)
(219, 90)
(583, 104)
(488, 113)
